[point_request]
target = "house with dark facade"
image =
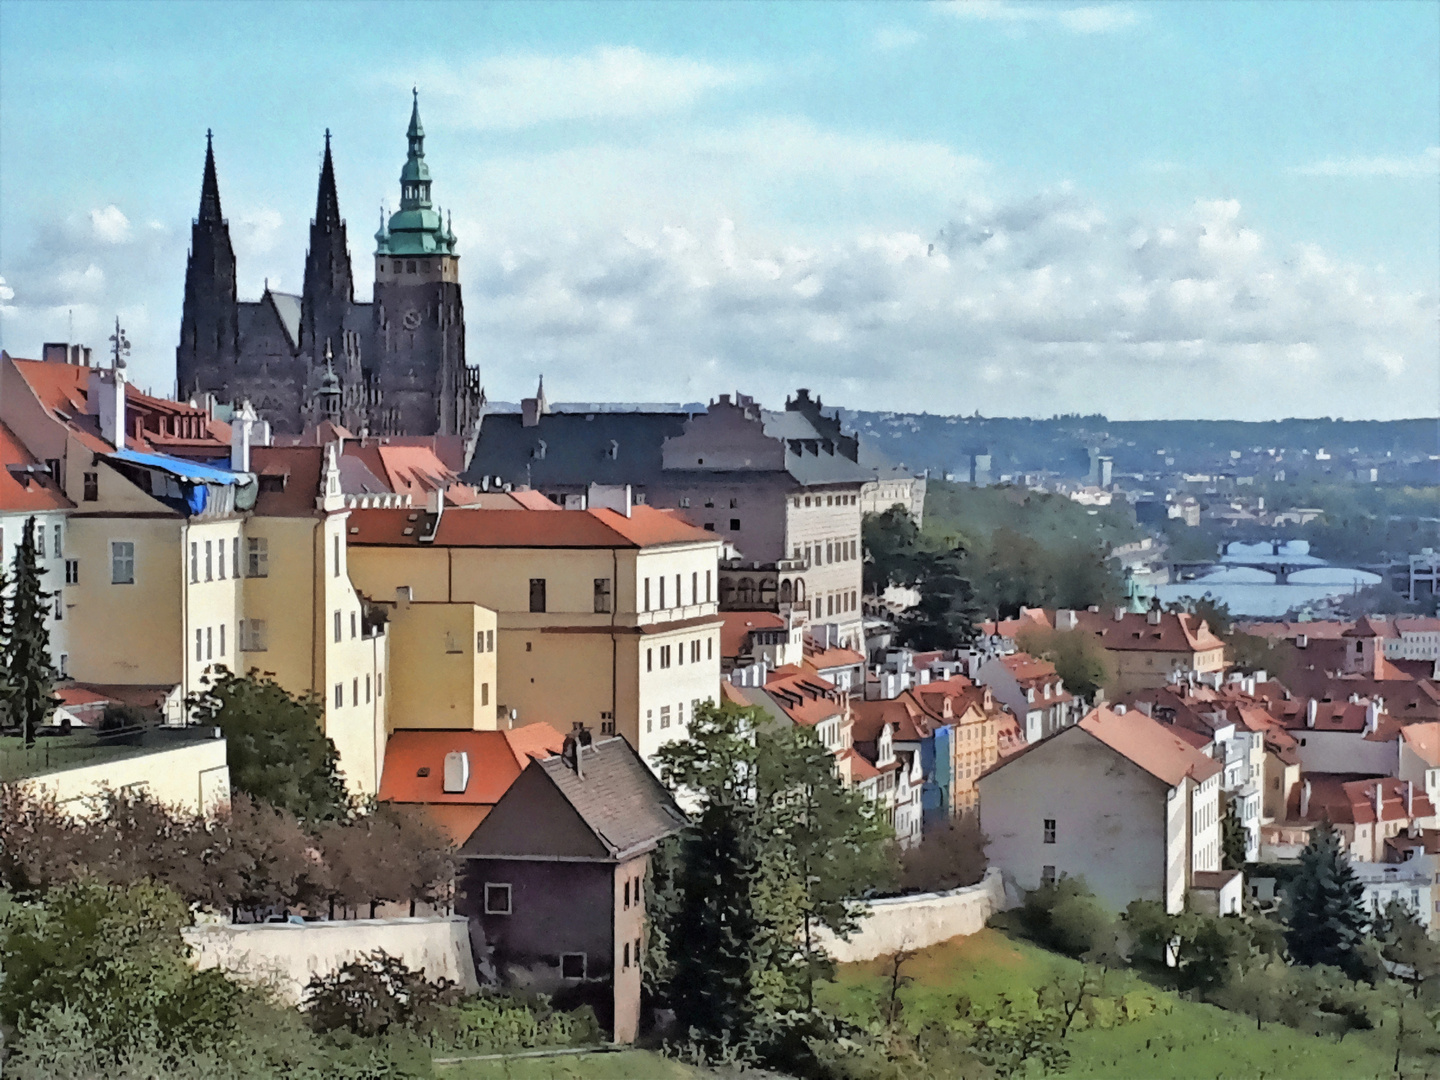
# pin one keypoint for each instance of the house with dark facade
(554, 881)
(781, 486)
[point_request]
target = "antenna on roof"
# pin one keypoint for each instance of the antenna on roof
(119, 346)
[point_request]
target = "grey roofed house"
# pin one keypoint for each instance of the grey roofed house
(611, 809)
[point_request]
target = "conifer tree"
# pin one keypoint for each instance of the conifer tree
(25, 649)
(1326, 907)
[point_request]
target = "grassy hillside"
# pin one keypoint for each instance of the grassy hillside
(1050, 520)
(1190, 1041)
(624, 1065)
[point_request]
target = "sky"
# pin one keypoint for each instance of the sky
(1226, 210)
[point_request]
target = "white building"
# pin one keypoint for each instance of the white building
(28, 489)
(1411, 882)
(1118, 799)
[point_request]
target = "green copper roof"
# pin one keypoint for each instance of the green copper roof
(417, 227)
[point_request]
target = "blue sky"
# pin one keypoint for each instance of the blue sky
(1143, 209)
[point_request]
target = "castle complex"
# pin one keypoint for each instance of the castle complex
(394, 366)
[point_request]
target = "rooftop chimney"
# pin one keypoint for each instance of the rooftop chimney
(1379, 799)
(1409, 798)
(1066, 619)
(615, 497)
(1153, 615)
(1311, 709)
(1120, 710)
(457, 772)
(1305, 799)
(1119, 614)
(1372, 716)
(242, 434)
(106, 393)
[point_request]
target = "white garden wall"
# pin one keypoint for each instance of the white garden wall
(285, 955)
(914, 922)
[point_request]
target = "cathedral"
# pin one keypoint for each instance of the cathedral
(394, 366)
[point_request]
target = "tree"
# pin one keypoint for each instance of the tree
(892, 541)
(1406, 944)
(1326, 907)
(1232, 834)
(946, 615)
(25, 649)
(276, 749)
(371, 995)
(1080, 660)
(947, 857)
(1214, 613)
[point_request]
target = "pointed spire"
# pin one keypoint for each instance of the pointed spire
(327, 201)
(210, 187)
(416, 131)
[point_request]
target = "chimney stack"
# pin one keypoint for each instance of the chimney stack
(457, 772)
(106, 393)
(1379, 798)
(1372, 716)
(1311, 709)
(1305, 800)
(242, 428)
(1409, 798)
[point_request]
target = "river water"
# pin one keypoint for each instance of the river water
(1249, 591)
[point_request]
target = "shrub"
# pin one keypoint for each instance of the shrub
(1066, 917)
(369, 996)
(947, 858)
(493, 1023)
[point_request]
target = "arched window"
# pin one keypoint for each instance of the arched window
(746, 591)
(787, 591)
(727, 591)
(799, 590)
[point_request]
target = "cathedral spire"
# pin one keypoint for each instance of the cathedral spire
(327, 202)
(210, 187)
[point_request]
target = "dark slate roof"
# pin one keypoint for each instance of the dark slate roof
(617, 797)
(577, 448)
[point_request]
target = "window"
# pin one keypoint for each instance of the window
(649, 659)
(709, 648)
(694, 587)
(572, 965)
(647, 594)
(627, 894)
(489, 640)
(258, 551)
(734, 524)
(355, 691)
(734, 503)
(198, 644)
(235, 557)
(59, 608)
(497, 899)
(664, 656)
(1049, 830)
(92, 487)
(626, 965)
(695, 651)
(337, 626)
(337, 556)
(602, 595)
(59, 546)
(707, 586)
(684, 503)
(122, 562)
(209, 561)
(252, 635)
(1047, 875)
(379, 683)
(537, 594)
(662, 592)
(484, 693)
(339, 695)
(664, 717)
(352, 625)
(678, 599)
(194, 561)
(72, 571)
(209, 642)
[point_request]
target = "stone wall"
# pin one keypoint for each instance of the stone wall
(285, 955)
(914, 922)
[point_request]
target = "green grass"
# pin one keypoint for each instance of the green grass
(622, 1065)
(1193, 1041)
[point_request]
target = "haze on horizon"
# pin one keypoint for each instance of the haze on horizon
(1147, 211)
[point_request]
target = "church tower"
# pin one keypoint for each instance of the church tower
(419, 318)
(209, 320)
(329, 289)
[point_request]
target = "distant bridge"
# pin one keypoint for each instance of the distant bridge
(1191, 571)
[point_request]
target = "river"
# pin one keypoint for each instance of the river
(1250, 591)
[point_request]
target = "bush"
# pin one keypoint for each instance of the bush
(368, 997)
(946, 858)
(1066, 917)
(494, 1023)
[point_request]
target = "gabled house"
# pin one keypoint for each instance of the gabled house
(1365, 812)
(1153, 648)
(28, 492)
(554, 878)
(1119, 799)
(1032, 690)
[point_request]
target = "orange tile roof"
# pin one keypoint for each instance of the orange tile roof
(1424, 741)
(1132, 632)
(823, 659)
(803, 696)
(24, 491)
(1353, 802)
(736, 627)
(467, 527)
(1149, 744)
(496, 759)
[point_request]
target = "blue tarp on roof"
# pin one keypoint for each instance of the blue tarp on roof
(179, 467)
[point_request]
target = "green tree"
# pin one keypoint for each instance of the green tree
(276, 749)
(892, 542)
(1326, 912)
(115, 955)
(1406, 943)
(1232, 834)
(25, 649)
(946, 616)
(1080, 660)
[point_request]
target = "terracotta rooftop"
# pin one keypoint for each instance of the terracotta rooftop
(1151, 745)
(1352, 802)
(1174, 633)
(1423, 741)
(464, 527)
(803, 696)
(23, 486)
(737, 626)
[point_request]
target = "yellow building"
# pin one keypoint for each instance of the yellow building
(602, 618)
(1151, 649)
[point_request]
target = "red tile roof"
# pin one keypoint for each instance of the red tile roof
(1353, 802)
(496, 759)
(23, 490)
(829, 659)
(465, 527)
(803, 696)
(737, 625)
(1174, 633)
(1153, 746)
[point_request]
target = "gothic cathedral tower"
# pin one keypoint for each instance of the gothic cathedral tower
(209, 320)
(419, 319)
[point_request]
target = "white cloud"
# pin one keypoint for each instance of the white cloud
(1022, 306)
(110, 224)
(1085, 19)
(1424, 164)
(519, 91)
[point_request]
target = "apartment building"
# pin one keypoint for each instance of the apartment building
(1032, 690)
(602, 619)
(1118, 799)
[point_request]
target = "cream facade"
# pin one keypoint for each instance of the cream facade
(189, 774)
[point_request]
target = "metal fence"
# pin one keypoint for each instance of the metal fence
(52, 753)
